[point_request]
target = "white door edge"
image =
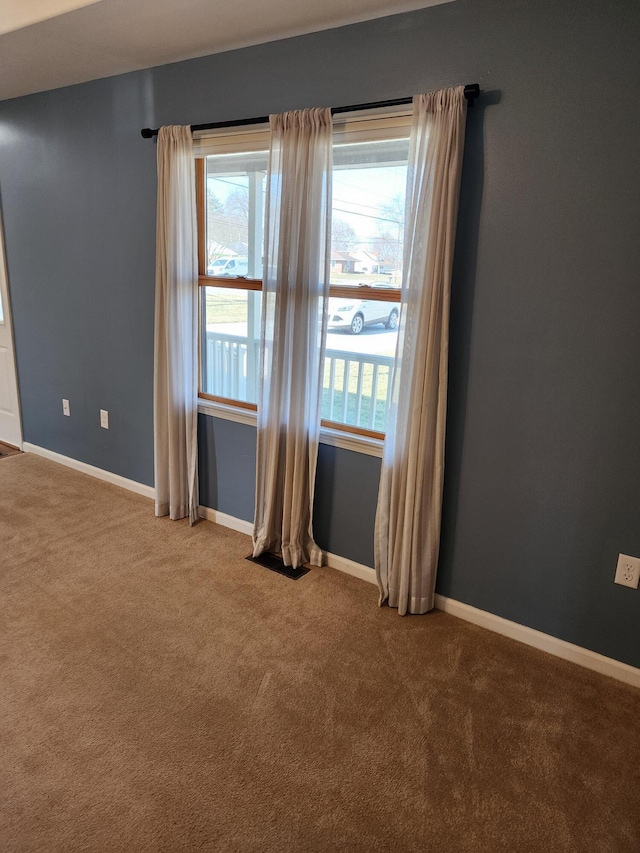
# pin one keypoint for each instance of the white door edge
(10, 423)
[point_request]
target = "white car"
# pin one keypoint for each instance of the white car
(229, 267)
(354, 314)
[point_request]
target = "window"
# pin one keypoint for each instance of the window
(231, 179)
(369, 177)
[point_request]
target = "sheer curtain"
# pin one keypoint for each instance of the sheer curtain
(176, 328)
(407, 530)
(295, 293)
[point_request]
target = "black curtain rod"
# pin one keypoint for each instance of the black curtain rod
(471, 92)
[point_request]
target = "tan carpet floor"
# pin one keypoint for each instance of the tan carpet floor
(161, 693)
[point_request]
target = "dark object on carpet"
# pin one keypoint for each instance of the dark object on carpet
(8, 450)
(275, 564)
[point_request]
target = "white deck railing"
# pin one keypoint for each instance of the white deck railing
(226, 368)
(230, 369)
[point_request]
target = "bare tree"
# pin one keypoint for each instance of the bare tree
(236, 206)
(343, 236)
(389, 243)
(394, 211)
(388, 249)
(227, 222)
(214, 206)
(216, 227)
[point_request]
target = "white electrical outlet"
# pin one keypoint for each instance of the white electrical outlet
(104, 419)
(628, 571)
(65, 408)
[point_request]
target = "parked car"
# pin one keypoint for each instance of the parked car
(354, 314)
(229, 267)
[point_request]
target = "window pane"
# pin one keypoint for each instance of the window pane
(369, 181)
(230, 342)
(235, 191)
(361, 345)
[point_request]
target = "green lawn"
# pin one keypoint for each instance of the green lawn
(352, 395)
(226, 305)
(365, 409)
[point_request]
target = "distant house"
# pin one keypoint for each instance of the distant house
(229, 250)
(343, 262)
(366, 261)
(238, 248)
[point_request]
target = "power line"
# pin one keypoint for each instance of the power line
(378, 207)
(368, 216)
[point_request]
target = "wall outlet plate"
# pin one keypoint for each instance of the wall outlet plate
(65, 408)
(104, 419)
(628, 571)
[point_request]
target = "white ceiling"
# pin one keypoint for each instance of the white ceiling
(45, 44)
(15, 14)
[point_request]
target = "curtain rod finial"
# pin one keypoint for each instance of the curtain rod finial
(471, 92)
(147, 133)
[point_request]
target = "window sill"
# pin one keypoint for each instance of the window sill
(351, 441)
(227, 412)
(333, 437)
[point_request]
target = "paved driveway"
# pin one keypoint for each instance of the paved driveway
(374, 340)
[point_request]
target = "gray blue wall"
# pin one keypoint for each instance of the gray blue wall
(543, 456)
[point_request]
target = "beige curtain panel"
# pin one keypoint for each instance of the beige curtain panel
(407, 529)
(294, 303)
(176, 328)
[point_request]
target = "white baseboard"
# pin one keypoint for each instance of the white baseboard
(521, 633)
(545, 642)
(225, 520)
(528, 636)
(357, 570)
(85, 468)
